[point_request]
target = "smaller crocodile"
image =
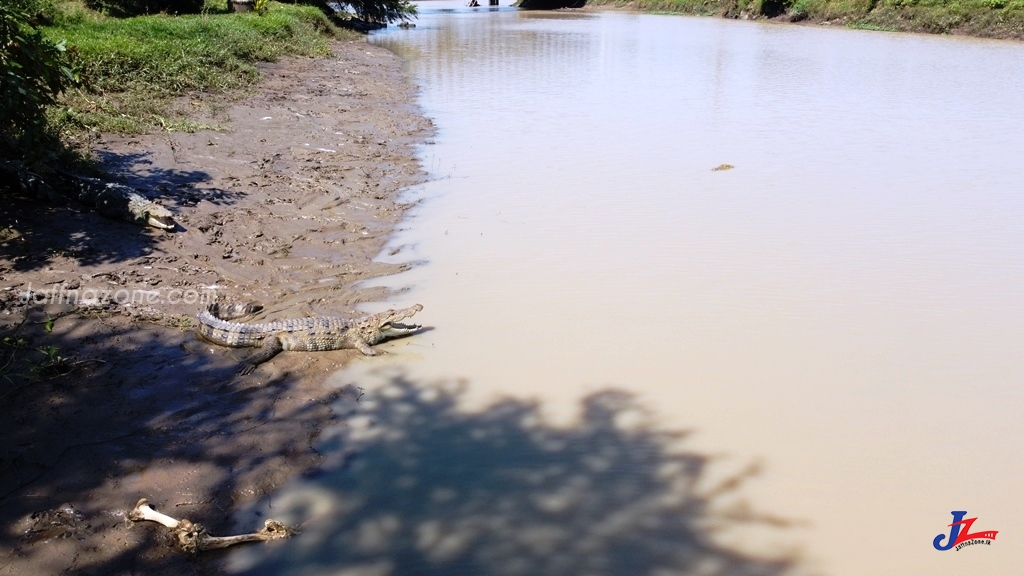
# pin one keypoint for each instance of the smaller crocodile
(110, 199)
(304, 334)
(120, 202)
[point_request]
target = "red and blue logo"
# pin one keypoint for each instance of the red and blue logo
(961, 535)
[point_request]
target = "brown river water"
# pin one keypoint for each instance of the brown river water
(803, 364)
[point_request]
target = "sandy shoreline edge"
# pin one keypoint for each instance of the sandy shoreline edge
(287, 204)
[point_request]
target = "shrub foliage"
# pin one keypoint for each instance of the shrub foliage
(33, 71)
(383, 11)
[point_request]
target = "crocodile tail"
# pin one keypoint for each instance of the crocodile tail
(233, 310)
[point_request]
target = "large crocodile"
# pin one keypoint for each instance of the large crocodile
(305, 334)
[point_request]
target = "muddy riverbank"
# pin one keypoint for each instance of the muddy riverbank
(107, 396)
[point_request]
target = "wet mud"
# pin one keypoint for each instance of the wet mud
(107, 396)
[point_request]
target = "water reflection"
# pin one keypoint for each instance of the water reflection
(482, 53)
(428, 488)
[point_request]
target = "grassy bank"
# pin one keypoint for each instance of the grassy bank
(135, 70)
(984, 18)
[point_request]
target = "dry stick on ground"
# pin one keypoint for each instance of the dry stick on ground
(193, 538)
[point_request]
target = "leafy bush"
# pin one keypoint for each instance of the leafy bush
(379, 11)
(382, 10)
(33, 71)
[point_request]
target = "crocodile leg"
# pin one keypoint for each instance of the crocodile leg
(364, 347)
(271, 346)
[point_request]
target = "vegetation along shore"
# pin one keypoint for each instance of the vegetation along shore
(982, 18)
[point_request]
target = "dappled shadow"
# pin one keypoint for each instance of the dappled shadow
(33, 232)
(428, 488)
(172, 187)
(134, 412)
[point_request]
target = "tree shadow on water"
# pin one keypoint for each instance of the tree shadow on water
(429, 488)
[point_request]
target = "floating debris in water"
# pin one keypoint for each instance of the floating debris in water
(722, 167)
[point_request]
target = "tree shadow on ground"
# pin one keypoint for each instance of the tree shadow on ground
(139, 412)
(36, 234)
(33, 233)
(174, 188)
(428, 488)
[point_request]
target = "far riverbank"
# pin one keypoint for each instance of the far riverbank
(1000, 19)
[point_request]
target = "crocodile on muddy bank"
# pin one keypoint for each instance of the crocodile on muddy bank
(110, 199)
(312, 334)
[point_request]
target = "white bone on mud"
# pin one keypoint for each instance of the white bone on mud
(192, 537)
(143, 511)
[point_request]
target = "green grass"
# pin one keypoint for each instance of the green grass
(987, 18)
(135, 68)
